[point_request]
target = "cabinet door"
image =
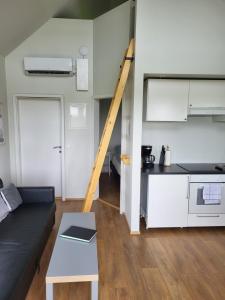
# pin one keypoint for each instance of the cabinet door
(207, 93)
(167, 201)
(167, 100)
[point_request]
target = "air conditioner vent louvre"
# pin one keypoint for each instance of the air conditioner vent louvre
(48, 72)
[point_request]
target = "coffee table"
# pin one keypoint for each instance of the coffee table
(73, 261)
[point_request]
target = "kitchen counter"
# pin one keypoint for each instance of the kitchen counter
(162, 170)
(192, 168)
(203, 168)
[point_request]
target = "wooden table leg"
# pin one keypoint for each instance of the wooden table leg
(49, 291)
(94, 290)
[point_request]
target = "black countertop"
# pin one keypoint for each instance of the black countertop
(204, 168)
(157, 169)
(194, 168)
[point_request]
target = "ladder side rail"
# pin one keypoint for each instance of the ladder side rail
(108, 128)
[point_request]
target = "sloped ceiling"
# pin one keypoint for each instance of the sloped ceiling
(20, 18)
(87, 9)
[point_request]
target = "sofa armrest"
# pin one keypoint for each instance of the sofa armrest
(37, 194)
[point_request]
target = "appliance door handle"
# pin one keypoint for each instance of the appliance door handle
(208, 216)
(188, 187)
(57, 147)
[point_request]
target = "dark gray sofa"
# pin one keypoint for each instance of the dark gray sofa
(23, 236)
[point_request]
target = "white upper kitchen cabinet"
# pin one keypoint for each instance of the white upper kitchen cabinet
(166, 100)
(167, 201)
(207, 94)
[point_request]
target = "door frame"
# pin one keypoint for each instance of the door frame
(123, 150)
(43, 97)
(97, 138)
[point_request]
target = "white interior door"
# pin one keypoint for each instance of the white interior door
(40, 143)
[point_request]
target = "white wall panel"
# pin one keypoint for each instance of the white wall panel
(111, 38)
(58, 38)
(4, 148)
(199, 140)
(181, 37)
(172, 37)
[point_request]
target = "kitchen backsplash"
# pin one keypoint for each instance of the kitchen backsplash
(197, 140)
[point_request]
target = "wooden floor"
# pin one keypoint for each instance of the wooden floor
(158, 264)
(109, 188)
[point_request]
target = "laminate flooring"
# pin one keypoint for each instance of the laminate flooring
(109, 188)
(159, 264)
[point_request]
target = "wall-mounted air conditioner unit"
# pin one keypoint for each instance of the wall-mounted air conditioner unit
(48, 66)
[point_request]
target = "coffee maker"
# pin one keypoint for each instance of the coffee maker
(147, 158)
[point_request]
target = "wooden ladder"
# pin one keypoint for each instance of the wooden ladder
(109, 125)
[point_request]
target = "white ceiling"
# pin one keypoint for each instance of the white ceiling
(20, 18)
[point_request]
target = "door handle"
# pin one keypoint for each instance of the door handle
(208, 216)
(57, 147)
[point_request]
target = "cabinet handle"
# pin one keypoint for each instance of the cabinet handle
(188, 188)
(213, 216)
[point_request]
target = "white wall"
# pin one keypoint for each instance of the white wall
(181, 37)
(58, 38)
(172, 37)
(126, 148)
(111, 38)
(4, 148)
(112, 32)
(200, 140)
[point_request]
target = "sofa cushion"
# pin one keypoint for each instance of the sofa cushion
(23, 235)
(14, 260)
(37, 194)
(27, 223)
(11, 196)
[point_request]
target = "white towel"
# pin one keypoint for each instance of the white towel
(212, 193)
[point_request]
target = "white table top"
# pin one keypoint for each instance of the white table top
(73, 260)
